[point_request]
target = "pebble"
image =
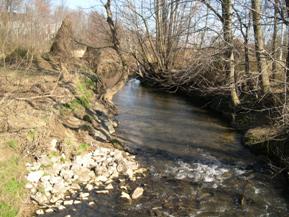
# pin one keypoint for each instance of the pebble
(91, 203)
(130, 173)
(39, 198)
(101, 178)
(56, 198)
(138, 192)
(140, 171)
(77, 202)
(68, 202)
(39, 212)
(102, 192)
(53, 145)
(123, 187)
(33, 191)
(49, 210)
(61, 207)
(109, 181)
(125, 195)
(89, 187)
(35, 176)
(84, 195)
(59, 202)
(75, 186)
(109, 187)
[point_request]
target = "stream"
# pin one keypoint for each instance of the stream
(196, 164)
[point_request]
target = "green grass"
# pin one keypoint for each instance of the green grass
(13, 144)
(83, 148)
(79, 103)
(53, 154)
(7, 210)
(84, 89)
(85, 94)
(12, 186)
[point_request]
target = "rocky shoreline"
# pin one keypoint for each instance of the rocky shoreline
(56, 182)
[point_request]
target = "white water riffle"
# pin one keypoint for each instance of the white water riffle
(214, 174)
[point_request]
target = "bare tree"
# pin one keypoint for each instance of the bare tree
(274, 38)
(116, 46)
(160, 29)
(226, 19)
(287, 59)
(227, 10)
(259, 46)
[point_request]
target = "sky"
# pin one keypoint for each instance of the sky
(74, 4)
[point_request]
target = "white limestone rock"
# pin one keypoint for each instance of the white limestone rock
(39, 212)
(125, 196)
(35, 176)
(68, 202)
(137, 193)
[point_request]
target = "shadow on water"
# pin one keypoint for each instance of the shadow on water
(197, 166)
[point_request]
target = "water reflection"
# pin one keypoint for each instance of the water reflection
(166, 122)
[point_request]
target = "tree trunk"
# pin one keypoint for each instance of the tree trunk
(282, 42)
(116, 46)
(234, 95)
(247, 62)
(274, 39)
(287, 58)
(259, 44)
(229, 54)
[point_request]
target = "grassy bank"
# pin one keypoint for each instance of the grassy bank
(12, 185)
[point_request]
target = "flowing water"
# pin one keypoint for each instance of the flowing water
(197, 166)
